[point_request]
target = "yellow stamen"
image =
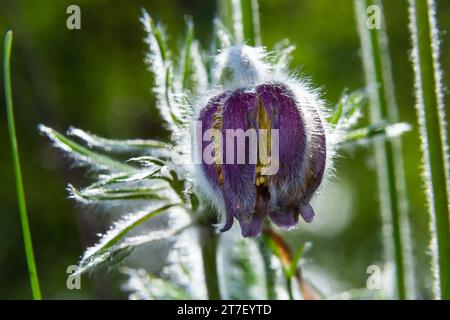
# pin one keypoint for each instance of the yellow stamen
(264, 123)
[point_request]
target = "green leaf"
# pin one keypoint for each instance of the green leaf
(107, 194)
(144, 286)
(199, 69)
(186, 66)
(242, 278)
(84, 155)
(109, 244)
(282, 54)
(348, 110)
(116, 146)
(147, 161)
(159, 35)
(338, 110)
(162, 174)
(160, 65)
(222, 37)
(374, 131)
(297, 256)
(194, 201)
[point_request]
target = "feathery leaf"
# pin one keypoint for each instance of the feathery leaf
(110, 243)
(85, 156)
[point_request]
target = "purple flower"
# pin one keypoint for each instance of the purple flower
(246, 194)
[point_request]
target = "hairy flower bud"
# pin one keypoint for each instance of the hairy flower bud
(270, 113)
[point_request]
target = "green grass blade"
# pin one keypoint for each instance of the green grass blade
(432, 122)
(17, 171)
(391, 181)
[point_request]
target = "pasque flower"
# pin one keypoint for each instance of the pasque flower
(255, 96)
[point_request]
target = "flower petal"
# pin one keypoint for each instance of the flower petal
(307, 213)
(240, 112)
(284, 210)
(317, 159)
(284, 115)
(207, 117)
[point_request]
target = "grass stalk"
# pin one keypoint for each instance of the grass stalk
(431, 118)
(32, 271)
(391, 181)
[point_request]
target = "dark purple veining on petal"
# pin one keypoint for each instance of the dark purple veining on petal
(316, 166)
(240, 112)
(207, 117)
(285, 117)
(210, 118)
(284, 196)
(318, 158)
(280, 104)
(252, 228)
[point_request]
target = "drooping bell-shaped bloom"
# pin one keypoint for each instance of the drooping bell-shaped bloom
(266, 142)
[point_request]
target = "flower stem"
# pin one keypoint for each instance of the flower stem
(209, 240)
(269, 271)
(431, 118)
(34, 281)
(391, 181)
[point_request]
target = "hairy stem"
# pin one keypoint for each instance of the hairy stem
(391, 181)
(32, 271)
(431, 117)
(209, 241)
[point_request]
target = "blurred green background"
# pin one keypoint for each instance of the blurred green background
(95, 79)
